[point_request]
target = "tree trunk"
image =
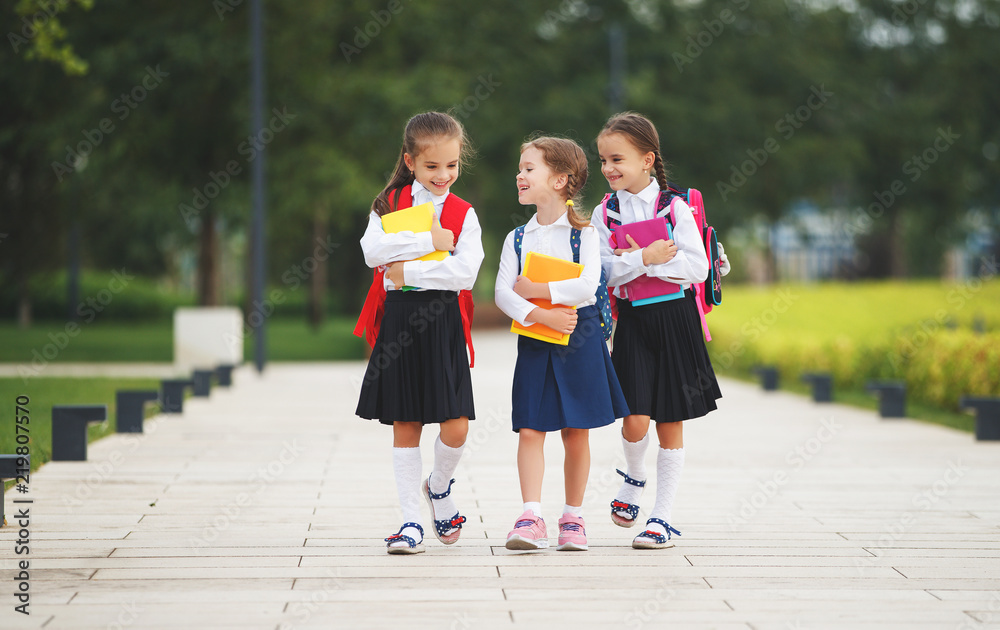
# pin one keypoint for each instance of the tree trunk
(208, 262)
(23, 305)
(317, 283)
(898, 267)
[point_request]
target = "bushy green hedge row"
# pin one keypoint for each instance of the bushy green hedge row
(942, 339)
(120, 296)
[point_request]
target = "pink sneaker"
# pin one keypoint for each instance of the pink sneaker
(572, 534)
(529, 533)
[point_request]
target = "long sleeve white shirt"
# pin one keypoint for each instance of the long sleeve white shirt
(454, 273)
(552, 240)
(689, 265)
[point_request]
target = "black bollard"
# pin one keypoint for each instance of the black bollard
(129, 405)
(768, 376)
(987, 416)
(892, 398)
(12, 467)
(172, 395)
(202, 382)
(822, 386)
(69, 430)
(224, 374)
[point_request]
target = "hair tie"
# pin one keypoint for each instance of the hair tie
(569, 202)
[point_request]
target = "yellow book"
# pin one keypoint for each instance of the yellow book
(543, 268)
(414, 219)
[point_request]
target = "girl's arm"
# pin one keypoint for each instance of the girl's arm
(620, 269)
(381, 248)
(456, 272)
(574, 292)
(690, 263)
(512, 304)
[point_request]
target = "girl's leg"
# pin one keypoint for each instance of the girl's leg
(448, 449)
(635, 441)
(531, 464)
(529, 529)
(669, 463)
(408, 468)
(576, 466)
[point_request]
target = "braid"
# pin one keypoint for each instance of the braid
(661, 172)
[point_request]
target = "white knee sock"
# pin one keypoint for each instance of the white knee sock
(635, 460)
(669, 463)
(407, 465)
(445, 462)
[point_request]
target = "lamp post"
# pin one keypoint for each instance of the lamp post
(257, 175)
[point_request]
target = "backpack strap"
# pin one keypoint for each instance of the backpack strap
(370, 320)
(574, 244)
(518, 238)
(453, 215)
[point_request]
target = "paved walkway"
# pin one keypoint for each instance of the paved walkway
(264, 507)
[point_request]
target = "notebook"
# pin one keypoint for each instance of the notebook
(645, 289)
(414, 219)
(543, 268)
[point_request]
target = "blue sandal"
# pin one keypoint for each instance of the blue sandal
(412, 545)
(621, 506)
(650, 539)
(448, 530)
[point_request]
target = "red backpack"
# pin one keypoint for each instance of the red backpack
(708, 293)
(452, 218)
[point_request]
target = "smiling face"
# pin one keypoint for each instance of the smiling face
(622, 164)
(536, 182)
(436, 165)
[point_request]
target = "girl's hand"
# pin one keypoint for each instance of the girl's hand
(658, 252)
(560, 319)
(394, 272)
(525, 288)
(631, 241)
(444, 240)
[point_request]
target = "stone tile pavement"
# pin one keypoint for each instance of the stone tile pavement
(264, 506)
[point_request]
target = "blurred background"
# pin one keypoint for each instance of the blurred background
(848, 151)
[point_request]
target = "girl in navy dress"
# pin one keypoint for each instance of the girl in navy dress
(658, 352)
(570, 389)
(419, 371)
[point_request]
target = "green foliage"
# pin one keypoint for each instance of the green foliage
(102, 297)
(921, 333)
(759, 104)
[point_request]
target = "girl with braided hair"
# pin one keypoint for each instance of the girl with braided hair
(658, 353)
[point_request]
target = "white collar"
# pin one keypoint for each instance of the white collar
(533, 223)
(417, 187)
(647, 195)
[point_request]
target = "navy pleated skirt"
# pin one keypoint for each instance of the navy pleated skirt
(660, 357)
(419, 368)
(574, 386)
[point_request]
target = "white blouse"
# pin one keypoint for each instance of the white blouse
(689, 265)
(552, 240)
(454, 273)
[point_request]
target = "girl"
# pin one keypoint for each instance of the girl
(569, 389)
(418, 373)
(659, 353)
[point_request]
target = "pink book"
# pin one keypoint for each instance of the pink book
(645, 289)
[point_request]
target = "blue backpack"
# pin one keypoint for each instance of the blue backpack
(603, 301)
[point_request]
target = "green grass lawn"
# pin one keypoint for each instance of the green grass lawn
(43, 393)
(288, 340)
